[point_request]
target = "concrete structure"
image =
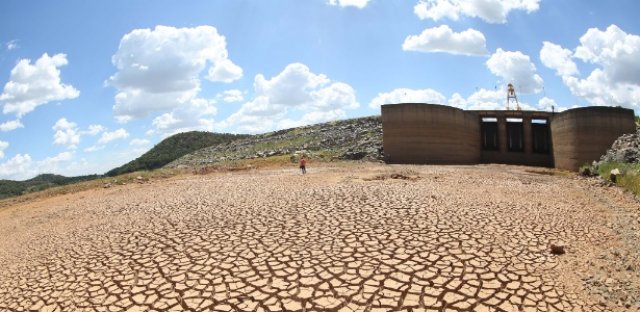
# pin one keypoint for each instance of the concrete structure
(438, 134)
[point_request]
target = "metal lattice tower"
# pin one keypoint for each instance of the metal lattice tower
(511, 97)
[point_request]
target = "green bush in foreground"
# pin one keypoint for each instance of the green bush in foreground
(629, 178)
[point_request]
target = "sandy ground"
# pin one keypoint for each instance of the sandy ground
(471, 238)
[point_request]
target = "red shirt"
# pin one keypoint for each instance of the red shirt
(303, 162)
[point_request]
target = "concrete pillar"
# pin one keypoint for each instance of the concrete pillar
(502, 134)
(528, 137)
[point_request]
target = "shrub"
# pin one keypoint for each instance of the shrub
(629, 178)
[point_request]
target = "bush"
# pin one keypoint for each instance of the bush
(587, 171)
(629, 177)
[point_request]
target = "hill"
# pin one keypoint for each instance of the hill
(173, 148)
(354, 139)
(10, 188)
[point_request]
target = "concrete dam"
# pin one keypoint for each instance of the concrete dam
(417, 133)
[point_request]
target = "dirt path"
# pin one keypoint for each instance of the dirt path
(455, 239)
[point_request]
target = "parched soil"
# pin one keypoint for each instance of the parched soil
(341, 238)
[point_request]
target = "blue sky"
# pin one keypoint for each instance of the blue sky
(90, 85)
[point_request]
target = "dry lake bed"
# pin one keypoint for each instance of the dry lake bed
(344, 237)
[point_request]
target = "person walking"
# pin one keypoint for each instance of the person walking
(303, 165)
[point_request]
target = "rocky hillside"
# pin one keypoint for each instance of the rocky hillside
(353, 139)
(173, 148)
(626, 149)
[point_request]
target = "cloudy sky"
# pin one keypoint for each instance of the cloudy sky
(89, 85)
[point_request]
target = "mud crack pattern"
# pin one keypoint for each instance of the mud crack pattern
(274, 241)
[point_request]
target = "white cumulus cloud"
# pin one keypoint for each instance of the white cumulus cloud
(165, 121)
(443, 39)
(291, 87)
(491, 11)
(16, 168)
(296, 88)
(12, 45)
(516, 68)
(405, 95)
(485, 99)
(53, 164)
(66, 133)
(599, 89)
(191, 118)
(313, 117)
(616, 51)
(336, 96)
(32, 85)
(549, 104)
(11, 125)
(231, 96)
(22, 166)
(481, 99)
(615, 55)
(224, 71)
(95, 129)
(159, 70)
(457, 100)
(94, 148)
(3, 146)
(113, 135)
(354, 3)
(558, 58)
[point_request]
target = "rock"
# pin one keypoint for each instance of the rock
(139, 178)
(626, 149)
(613, 175)
(557, 249)
(353, 155)
(107, 185)
(352, 139)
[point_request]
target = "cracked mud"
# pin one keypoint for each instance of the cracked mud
(454, 239)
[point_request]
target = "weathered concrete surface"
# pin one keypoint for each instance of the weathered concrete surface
(503, 156)
(456, 239)
(582, 135)
(415, 133)
(429, 134)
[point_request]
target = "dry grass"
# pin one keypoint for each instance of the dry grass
(630, 175)
(160, 174)
(146, 176)
(245, 165)
(551, 172)
(404, 174)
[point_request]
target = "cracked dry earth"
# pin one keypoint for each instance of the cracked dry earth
(455, 239)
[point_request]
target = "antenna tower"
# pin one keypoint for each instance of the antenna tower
(511, 97)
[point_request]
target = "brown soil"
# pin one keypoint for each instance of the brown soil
(341, 238)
